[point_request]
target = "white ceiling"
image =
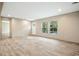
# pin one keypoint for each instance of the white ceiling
(36, 10)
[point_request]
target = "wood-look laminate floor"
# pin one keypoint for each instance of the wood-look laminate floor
(37, 46)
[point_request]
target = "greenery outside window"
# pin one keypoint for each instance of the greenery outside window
(53, 27)
(49, 27)
(45, 27)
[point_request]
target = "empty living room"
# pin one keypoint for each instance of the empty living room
(39, 28)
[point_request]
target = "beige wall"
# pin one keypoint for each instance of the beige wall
(0, 28)
(1, 4)
(68, 27)
(20, 28)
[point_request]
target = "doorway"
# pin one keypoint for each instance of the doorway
(5, 28)
(33, 28)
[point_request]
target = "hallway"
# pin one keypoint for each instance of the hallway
(37, 46)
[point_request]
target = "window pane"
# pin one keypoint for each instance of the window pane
(53, 27)
(45, 27)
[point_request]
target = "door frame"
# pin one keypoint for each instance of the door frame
(10, 27)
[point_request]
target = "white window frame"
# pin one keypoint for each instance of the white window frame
(49, 28)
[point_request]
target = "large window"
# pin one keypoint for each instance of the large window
(53, 27)
(45, 27)
(49, 27)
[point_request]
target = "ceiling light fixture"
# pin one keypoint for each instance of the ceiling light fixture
(75, 2)
(59, 10)
(8, 15)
